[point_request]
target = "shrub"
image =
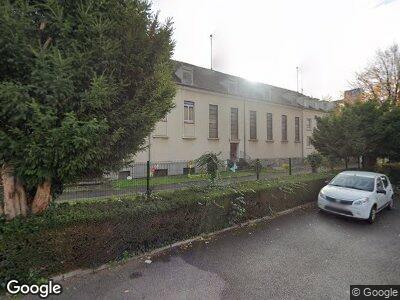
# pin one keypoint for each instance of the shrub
(314, 160)
(242, 164)
(88, 234)
(210, 163)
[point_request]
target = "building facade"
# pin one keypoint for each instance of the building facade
(223, 113)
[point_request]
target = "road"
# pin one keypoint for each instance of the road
(302, 255)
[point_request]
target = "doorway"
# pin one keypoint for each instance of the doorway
(233, 151)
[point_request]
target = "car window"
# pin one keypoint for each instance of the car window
(385, 181)
(379, 184)
(354, 182)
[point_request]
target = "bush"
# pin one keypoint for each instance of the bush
(314, 160)
(88, 234)
(243, 164)
(210, 163)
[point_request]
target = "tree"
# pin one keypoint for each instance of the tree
(82, 84)
(338, 135)
(381, 79)
(369, 129)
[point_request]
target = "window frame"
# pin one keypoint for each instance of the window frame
(284, 128)
(236, 112)
(270, 127)
(189, 106)
(210, 124)
(297, 129)
(308, 143)
(253, 133)
(308, 123)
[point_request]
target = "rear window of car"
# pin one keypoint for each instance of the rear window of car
(354, 182)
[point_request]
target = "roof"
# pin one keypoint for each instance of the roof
(214, 81)
(362, 173)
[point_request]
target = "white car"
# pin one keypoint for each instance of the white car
(357, 194)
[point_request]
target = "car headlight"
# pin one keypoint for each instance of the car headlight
(322, 195)
(361, 201)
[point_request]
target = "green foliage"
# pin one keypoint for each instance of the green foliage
(82, 84)
(370, 129)
(86, 234)
(314, 160)
(330, 161)
(210, 163)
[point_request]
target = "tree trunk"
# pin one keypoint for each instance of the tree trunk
(42, 197)
(15, 201)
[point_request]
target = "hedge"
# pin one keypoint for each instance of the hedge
(87, 234)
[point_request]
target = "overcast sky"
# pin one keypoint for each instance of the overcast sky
(264, 40)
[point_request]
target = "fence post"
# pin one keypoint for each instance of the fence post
(148, 179)
(290, 166)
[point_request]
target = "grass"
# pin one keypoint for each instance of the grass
(177, 179)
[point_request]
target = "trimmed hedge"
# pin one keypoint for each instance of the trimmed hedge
(87, 234)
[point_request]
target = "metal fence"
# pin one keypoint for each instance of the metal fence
(156, 176)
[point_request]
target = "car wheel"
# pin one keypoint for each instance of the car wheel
(372, 215)
(391, 204)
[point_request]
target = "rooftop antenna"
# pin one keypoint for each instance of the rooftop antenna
(211, 60)
(297, 78)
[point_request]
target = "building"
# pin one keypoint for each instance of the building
(352, 96)
(228, 114)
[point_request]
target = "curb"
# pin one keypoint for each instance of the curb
(81, 272)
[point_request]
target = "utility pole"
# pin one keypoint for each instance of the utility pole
(211, 48)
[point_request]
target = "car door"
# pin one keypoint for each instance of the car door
(388, 187)
(380, 196)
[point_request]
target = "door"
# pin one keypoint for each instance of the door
(233, 151)
(381, 197)
(388, 188)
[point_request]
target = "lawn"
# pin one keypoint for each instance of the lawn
(177, 179)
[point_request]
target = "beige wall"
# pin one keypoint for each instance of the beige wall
(174, 140)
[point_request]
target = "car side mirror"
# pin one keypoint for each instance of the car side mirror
(381, 191)
(327, 181)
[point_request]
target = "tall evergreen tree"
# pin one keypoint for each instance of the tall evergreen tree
(82, 84)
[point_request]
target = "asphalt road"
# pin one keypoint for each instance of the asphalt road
(302, 255)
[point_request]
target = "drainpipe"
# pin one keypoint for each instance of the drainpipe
(244, 128)
(302, 133)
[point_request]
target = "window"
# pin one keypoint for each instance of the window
(234, 123)
(308, 123)
(385, 181)
(379, 184)
(187, 76)
(253, 125)
(213, 121)
(270, 135)
(297, 129)
(309, 141)
(189, 112)
(284, 128)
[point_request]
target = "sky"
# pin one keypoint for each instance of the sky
(265, 40)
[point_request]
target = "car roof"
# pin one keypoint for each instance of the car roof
(362, 173)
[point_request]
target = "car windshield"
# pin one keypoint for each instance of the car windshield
(354, 182)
